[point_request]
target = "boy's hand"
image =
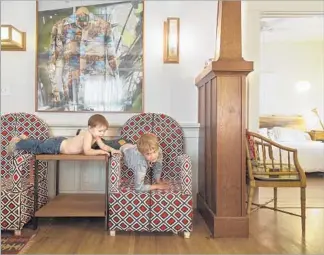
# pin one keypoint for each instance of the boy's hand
(160, 186)
(113, 151)
(102, 152)
(162, 182)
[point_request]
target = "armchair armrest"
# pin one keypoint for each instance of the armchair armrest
(268, 158)
(21, 164)
(186, 173)
(114, 173)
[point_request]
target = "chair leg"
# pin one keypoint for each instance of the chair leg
(186, 235)
(275, 193)
(303, 208)
(250, 199)
(17, 233)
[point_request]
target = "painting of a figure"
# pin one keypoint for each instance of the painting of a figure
(90, 58)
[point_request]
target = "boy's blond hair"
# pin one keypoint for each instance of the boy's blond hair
(148, 142)
(98, 120)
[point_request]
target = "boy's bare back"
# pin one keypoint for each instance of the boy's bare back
(75, 145)
(82, 143)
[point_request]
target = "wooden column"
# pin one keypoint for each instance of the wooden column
(222, 117)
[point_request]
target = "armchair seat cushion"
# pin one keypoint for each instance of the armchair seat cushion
(128, 185)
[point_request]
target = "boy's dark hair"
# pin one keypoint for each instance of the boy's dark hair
(98, 120)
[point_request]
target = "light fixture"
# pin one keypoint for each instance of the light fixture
(302, 86)
(171, 40)
(12, 39)
(319, 118)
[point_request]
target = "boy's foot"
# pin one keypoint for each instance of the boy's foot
(12, 145)
(23, 137)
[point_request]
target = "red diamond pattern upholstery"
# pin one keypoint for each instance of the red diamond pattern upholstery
(17, 194)
(156, 210)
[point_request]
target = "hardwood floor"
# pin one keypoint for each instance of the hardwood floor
(290, 197)
(270, 233)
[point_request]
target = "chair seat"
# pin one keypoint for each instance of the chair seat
(280, 178)
(128, 185)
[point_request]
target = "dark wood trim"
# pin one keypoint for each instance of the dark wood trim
(231, 227)
(222, 117)
(222, 226)
(206, 213)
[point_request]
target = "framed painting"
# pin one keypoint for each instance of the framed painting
(89, 57)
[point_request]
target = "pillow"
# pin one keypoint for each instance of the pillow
(263, 132)
(271, 134)
(282, 134)
(307, 137)
(251, 147)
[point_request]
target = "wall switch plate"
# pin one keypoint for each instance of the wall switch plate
(5, 91)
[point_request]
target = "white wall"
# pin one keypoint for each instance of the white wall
(251, 16)
(284, 64)
(18, 67)
(169, 88)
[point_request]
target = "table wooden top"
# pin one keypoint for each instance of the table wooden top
(78, 157)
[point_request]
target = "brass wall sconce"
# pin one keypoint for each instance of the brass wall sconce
(12, 39)
(171, 40)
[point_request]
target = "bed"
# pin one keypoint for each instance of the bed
(291, 131)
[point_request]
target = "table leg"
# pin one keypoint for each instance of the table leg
(35, 219)
(57, 178)
(106, 194)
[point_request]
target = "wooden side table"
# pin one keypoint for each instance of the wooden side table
(317, 135)
(71, 205)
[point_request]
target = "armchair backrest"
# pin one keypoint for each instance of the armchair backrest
(15, 124)
(168, 131)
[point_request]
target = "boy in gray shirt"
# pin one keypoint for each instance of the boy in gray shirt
(145, 154)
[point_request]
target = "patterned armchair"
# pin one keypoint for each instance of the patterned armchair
(156, 210)
(17, 193)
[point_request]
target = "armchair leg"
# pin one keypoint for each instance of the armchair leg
(275, 192)
(112, 233)
(17, 232)
(303, 209)
(251, 192)
(186, 235)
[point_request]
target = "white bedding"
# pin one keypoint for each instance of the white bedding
(310, 154)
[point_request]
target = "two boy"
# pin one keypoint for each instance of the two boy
(140, 157)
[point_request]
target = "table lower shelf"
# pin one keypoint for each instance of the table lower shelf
(74, 205)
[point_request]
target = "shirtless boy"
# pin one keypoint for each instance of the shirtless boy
(80, 144)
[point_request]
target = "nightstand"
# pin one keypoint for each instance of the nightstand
(317, 135)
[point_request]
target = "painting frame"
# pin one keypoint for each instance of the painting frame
(130, 100)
